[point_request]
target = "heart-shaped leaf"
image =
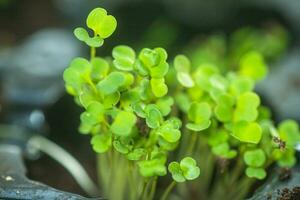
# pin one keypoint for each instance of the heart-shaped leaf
(123, 123)
(254, 172)
(255, 158)
(101, 23)
(249, 132)
(158, 86)
(124, 57)
(101, 143)
(111, 83)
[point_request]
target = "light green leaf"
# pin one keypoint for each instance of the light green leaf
(111, 100)
(247, 105)
(175, 170)
(123, 123)
(183, 102)
(189, 168)
(225, 100)
(160, 70)
(140, 68)
(253, 65)
(199, 112)
(101, 143)
(153, 116)
(120, 147)
(111, 83)
(136, 154)
(150, 168)
(203, 74)
(164, 105)
(223, 113)
(240, 85)
(95, 41)
(223, 150)
(185, 79)
(219, 82)
(258, 173)
(158, 86)
(200, 126)
(124, 57)
(169, 133)
(249, 132)
(100, 68)
(81, 34)
(86, 96)
(101, 23)
(218, 137)
(182, 64)
(255, 158)
(149, 57)
(77, 73)
(289, 132)
(96, 109)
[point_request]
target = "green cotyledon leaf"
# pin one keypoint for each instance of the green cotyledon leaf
(255, 158)
(111, 83)
(124, 57)
(101, 23)
(247, 107)
(249, 132)
(123, 123)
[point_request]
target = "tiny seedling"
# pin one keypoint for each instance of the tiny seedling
(147, 116)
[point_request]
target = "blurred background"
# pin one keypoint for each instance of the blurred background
(37, 43)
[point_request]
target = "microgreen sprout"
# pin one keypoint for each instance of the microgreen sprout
(139, 110)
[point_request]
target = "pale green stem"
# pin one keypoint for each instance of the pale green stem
(153, 188)
(192, 144)
(93, 52)
(144, 189)
(168, 190)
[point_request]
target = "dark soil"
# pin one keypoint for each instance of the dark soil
(289, 194)
(285, 174)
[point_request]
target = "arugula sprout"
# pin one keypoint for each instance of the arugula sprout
(185, 170)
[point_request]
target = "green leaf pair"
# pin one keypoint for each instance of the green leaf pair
(252, 65)
(182, 65)
(123, 123)
(169, 131)
(255, 159)
(77, 74)
(187, 169)
(124, 57)
(100, 69)
(249, 132)
(199, 114)
(112, 83)
(158, 86)
(224, 108)
(247, 107)
(289, 132)
(240, 85)
(82, 35)
(155, 166)
(102, 24)
(93, 116)
(223, 150)
(154, 62)
(286, 158)
(153, 116)
(165, 105)
(203, 74)
(101, 143)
